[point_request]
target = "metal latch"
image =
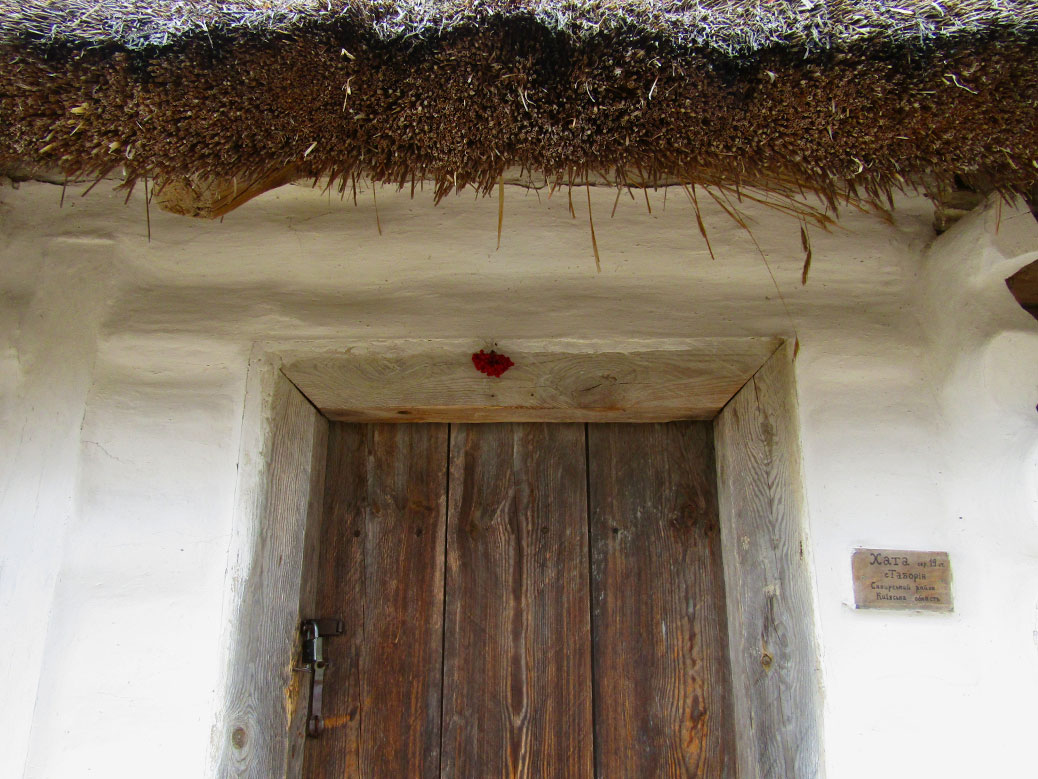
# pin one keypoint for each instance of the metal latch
(314, 633)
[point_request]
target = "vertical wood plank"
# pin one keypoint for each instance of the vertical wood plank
(299, 696)
(341, 593)
(255, 738)
(517, 666)
(770, 607)
(381, 571)
(661, 668)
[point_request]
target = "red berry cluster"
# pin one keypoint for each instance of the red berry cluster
(492, 363)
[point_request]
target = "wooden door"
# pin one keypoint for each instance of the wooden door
(523, 600)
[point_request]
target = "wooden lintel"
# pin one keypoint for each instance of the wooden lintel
(442, 384)
(206, 198)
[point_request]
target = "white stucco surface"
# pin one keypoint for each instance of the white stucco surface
(123, 390)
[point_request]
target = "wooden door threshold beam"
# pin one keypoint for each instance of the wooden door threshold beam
(437, 381)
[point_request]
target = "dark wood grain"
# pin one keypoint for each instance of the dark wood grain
(661, 669)
(517, 665)
(381, 570)
(1024, 284)
(775, 664)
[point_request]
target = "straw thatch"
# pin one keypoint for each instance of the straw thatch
(832, 96)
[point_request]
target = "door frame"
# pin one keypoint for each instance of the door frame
(745, 385)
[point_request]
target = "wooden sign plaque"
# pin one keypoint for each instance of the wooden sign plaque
(896, 579)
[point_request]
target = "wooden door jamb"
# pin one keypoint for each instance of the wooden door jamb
(773, 651)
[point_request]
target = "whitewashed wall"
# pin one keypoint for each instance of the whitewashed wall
(123, 375)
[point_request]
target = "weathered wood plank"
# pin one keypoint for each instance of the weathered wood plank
(517, 662)
(255, 739)
(1024, 283)
(442, 385)
(341, 581)
(661, 669)
(770, 607)
(208, 198)
(381, 570)
(299, 695)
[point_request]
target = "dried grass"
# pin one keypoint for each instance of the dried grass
(731, 27)
(846, 99)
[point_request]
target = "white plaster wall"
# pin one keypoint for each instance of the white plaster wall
(123, 375)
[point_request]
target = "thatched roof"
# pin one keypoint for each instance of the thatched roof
(731, 27)
(833, 96)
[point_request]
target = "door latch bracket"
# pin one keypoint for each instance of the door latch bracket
(314, 632)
